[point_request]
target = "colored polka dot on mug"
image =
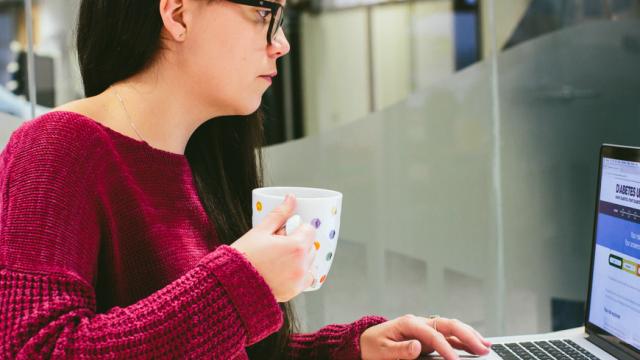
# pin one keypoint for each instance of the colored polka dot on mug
(329, 256)
(317, 245)
(332, 234)
(259, 206)
(316, 223)
(323, 278)
(334, 211)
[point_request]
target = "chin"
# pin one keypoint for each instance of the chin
(248, 108)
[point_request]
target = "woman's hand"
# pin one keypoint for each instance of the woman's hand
(409, 336)
(283, 261)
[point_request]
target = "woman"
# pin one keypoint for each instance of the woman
(126, 216)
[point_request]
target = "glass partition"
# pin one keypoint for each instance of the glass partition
(561, 95)
(418, 229)
(475, 198)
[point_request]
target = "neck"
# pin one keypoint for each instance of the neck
(162, 108)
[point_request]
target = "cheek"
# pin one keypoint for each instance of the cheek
(224, 67)
(213, 68)
(236, 76)
(236, 83)
(230, 84)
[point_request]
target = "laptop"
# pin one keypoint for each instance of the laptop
(612, 318)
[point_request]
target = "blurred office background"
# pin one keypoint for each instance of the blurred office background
(464, 135)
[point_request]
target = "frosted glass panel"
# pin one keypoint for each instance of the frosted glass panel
(422, 180)
(400, 271)
(562, 95)
(416, 180)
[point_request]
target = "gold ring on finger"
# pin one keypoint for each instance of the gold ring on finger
(434, 324)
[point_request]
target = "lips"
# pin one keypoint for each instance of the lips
(272, 75)
(269, 78)
(266, 78)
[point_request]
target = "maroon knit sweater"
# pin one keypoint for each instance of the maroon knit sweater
(106, 251)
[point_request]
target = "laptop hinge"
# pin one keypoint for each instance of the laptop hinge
(612, 349)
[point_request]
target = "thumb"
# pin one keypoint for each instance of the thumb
(278, 216)
(410, 349)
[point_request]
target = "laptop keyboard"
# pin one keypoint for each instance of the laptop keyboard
(543, 350)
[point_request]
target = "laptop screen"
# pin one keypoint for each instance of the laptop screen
(614, 304)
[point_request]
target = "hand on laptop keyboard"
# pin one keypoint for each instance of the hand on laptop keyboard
(408, 336)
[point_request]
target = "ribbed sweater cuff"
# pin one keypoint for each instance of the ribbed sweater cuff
(248, 291)
(353, 350)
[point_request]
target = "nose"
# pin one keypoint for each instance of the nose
(279, 45)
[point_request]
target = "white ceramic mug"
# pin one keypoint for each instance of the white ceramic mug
(319, 208)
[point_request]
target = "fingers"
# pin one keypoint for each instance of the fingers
(308, 281)
(311, 258)
(279, 216)
(457, 344)
(470, 339)
(308, 233)
(416, 328)
(403, 349)
(486, 342)
(281, 232)
(305, 233)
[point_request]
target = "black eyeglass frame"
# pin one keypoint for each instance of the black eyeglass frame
(274, 7)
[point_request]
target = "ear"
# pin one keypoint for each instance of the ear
(173, 16)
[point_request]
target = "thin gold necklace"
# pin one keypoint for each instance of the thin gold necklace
(126, 112)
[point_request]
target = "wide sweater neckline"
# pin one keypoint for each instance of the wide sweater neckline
(140, 144)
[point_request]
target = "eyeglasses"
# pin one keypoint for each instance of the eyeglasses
(277, 14)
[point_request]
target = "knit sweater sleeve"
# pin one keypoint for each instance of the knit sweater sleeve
(336, 341)
(49, 244)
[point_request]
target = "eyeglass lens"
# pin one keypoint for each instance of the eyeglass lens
(277, 23)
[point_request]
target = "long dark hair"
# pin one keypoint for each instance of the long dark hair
(119, 38)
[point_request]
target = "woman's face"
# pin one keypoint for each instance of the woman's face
(225, 56)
